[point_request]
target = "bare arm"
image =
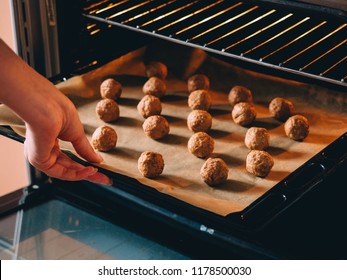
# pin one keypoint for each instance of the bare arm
(49, 115)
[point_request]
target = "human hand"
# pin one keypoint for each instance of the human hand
(42, 150)
(49, 115)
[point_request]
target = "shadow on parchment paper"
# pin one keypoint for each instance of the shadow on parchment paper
(173, 119)
(217, 133)
(275, 151)
(268, 123)
(124, 152)
(175, 97)
(126, 101)
(173, 139)
(215, 111)
(230, 137)
(89, 129)
(126, 121)
(129, 80)
(230, 160)
(235, 186)
(186, 183)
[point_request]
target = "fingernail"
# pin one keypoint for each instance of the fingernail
(100, 178)
(93, 170)
(110, 182)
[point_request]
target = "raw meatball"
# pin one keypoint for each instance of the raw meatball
(154, 86)
(150, 164)
(297, 127)
(199, 120)
(201, 144)
(148, 106)
(107, 110)
(156, 127)
(156, 69)
(257, 138)
(110, 88)
(281, 109)
(259, 163)
(214, 171)
(104, 138)
(200, 99)
(243, 113)
(198, 81)
(239, 94)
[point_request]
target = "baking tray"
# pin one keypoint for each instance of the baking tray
(236, 232)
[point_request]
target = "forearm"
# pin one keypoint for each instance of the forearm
(24, 90)
(49, 115)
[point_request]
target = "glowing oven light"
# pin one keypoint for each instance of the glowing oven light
(149, 11)
(94, 32)
(125, 10)
(294, 40)
(190, 15)
(209, 18)
(277, 35)
(315, 43)
(167, 14)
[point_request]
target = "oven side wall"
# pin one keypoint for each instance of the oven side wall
(7, 28)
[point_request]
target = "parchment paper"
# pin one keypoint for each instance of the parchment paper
(325, 110)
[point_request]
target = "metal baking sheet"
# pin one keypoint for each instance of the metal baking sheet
(181, 178)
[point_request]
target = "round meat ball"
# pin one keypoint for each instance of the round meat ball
(239, 94)
(201, 144)
(149, 105)
(200, 99)
(297, 127)
(107, 110)
(259, 163)
(150, 164)
(214, 171)
(243, 113)
(199, 120)
(257, 138)
(154, 86)
(281, 109)
(198, 81)
(110, 88)
(104, 138)
(156, 127)
(156, 69)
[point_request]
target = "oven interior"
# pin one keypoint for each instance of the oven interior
(292, 39)
(289, 39)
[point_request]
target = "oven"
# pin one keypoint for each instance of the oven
(296, 49)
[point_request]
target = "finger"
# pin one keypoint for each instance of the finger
(75, 134)
(95, 177)
(85, 150)
(100, 179)
(40, 155)
(66, 169)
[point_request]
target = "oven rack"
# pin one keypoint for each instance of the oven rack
(284, 38)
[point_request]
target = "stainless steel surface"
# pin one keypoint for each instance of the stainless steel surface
(37, 34)
(284, 38)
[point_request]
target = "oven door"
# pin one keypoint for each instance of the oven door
(45, 218)
(53, 219)
(301, 217)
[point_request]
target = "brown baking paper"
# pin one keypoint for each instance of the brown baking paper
(181, 175)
